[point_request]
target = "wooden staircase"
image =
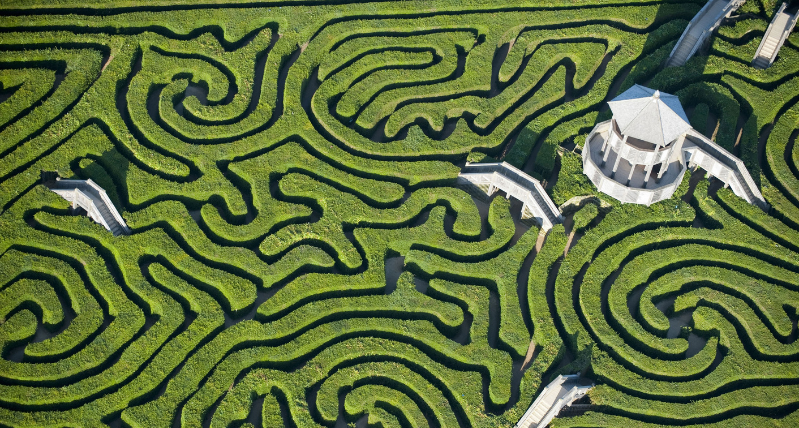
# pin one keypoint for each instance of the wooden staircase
(700, 28)
(92, 198)
(777, 32)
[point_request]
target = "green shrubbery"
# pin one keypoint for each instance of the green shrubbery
(269, 224)
(584, 217)
(571, 180)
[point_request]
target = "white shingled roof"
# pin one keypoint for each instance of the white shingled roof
(649, 115)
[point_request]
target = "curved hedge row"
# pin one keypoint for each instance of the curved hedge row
(299, 254)
(733, 281)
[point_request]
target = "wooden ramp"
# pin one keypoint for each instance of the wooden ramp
(700, 28)
(777, 32)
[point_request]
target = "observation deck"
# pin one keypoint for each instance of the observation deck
(695, 150)
(641, 154)
(627, 183)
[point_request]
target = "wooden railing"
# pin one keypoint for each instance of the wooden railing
(572, 392)
(506, 177)
(90, 196)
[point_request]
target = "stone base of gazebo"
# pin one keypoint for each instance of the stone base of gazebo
(628, 183)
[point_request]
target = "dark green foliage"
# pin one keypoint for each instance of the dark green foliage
(584, 217)
(571, 180)
(287, 171)
(699, 117)
(718, 99)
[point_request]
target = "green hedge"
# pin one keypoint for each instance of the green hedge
(584, 217)
(262, 222)
(699, 117)
(29, 86)
(88, 313)
(776, 147)
(721, 101)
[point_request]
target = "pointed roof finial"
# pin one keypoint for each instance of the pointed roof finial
(656, 95)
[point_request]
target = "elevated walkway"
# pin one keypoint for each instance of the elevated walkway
(777, 32)
(560, 393)
(490, 177)
(700, 151)
(92, 198)
(700, 28)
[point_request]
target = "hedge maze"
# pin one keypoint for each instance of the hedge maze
(300, 255)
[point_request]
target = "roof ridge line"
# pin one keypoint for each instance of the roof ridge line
(639, 114)
(660, 116)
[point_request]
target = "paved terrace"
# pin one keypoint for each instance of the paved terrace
(560, 393)
(92, 198)
(700, 28)
(488, 177)
(776, 34)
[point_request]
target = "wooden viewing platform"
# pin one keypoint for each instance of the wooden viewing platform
(777, 32)
(641, 154)
(91, 197)
(693, 150)
(560, 393)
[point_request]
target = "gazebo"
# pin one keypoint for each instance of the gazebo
(649, 123)
(641, 154)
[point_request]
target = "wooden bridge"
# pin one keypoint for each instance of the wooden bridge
(560, 393)
(92, 198)
(700, 28)
(490, 177)
(700, 151)
(777, 32)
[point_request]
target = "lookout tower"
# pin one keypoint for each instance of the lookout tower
(641, 154)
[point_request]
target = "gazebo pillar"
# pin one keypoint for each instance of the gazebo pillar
(632, 170)
(605, 155)
(676, 146)
(663, 167)
(606, 143)
(651, 164)
(607, 151)
(616, 165)
(611, 136)
(648, 173)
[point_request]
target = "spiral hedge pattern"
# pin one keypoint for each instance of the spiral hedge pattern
(300, 255)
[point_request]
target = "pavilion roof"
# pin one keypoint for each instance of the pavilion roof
(649, 115)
